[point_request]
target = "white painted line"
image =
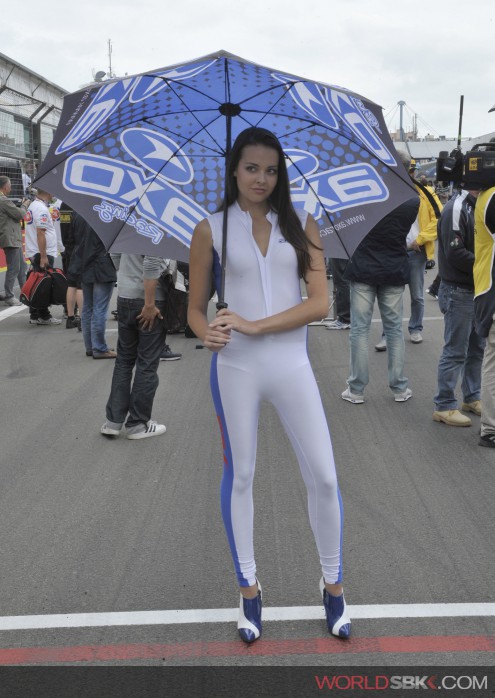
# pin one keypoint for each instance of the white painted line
(227, 615)
(319, 323)
(4, 314)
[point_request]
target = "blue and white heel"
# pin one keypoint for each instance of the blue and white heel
(249, 623)
(338, 620)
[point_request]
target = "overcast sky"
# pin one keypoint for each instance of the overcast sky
(424, 52)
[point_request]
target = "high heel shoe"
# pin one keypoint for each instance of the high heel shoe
(338, 621)
(249, 623)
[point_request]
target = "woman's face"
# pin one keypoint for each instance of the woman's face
(256, 174)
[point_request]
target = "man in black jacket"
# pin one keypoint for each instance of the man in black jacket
(379, 269)
(463, 349)
(91, 262)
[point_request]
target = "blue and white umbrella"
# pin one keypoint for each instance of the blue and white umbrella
(142, 158)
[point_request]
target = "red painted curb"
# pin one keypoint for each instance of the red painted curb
(363, 645)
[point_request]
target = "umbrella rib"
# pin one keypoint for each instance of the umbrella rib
(193, 115)
(190, 139)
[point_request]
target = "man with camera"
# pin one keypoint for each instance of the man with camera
(463, 349)
(11, 215)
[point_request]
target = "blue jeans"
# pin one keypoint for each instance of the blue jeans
(139, 349)
(463, 349)
(417, 264)
(390, 306)
(96, 299)
(16, 269)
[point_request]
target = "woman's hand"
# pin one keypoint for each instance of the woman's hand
(216, 338)
(227, 321)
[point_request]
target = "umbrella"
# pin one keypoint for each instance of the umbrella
(142, 158)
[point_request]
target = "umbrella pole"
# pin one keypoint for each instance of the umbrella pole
(221, 293)
(228, 110)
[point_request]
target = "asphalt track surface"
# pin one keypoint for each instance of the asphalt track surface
(113, 551)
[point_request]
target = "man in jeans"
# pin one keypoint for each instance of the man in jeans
(91, 263)
(463, 350)
(420, 245)
(378, 270)
(142, 332)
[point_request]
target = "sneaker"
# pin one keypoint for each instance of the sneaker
(451, 417)
(474, 407)
(48, 321)
(151, 429)
(33, 320)
(337, 325)
(12, 301)
(432, 292)
(403, 397)
(72, 322)
(109, 431)
(487, 440)
(351, 397)
(169, 355)
(416, 337)
(382, 345)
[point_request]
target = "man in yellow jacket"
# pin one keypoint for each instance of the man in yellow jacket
(421, 246)
(484, 306)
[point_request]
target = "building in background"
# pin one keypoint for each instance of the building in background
(30, 108)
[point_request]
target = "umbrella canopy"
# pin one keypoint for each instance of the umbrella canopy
(142, 158)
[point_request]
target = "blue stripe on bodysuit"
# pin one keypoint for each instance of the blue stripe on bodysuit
(228, 469)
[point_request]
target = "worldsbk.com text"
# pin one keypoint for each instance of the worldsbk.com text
(344, 682)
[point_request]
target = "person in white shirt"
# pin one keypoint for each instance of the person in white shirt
(41, 248)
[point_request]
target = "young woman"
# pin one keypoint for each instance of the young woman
(259, 353)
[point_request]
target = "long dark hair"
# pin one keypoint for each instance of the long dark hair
(279, 200)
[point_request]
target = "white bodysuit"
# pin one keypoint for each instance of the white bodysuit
(273, 367)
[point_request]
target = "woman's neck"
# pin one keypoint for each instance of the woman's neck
(260, 209)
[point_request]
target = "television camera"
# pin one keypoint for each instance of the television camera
(474, 170)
